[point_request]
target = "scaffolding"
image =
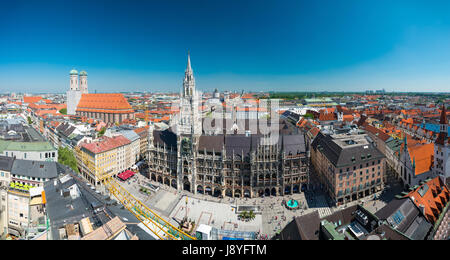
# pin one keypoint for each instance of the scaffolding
(161, 228)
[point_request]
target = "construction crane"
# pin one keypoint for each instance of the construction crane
(160, 227)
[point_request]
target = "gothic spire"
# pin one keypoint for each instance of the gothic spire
(188, 67)
(189, 81)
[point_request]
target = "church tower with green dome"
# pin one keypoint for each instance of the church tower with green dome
(83, 82)
(78, 86)
(74, 80)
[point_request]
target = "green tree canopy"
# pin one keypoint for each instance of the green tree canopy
(66, 157)
(102, 131)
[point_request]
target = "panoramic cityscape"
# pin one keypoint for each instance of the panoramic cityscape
(330, 151)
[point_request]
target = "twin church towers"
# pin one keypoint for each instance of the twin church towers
(78, 86)
(78, 81)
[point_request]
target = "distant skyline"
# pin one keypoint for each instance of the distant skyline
(251, 45)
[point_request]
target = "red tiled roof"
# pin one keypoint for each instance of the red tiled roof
(327, 117)
(301, 122)
(377, 132)
(129, 121)
(314, 131)
(105, 144)
(408, 121)
(432, 196)
(162, 112)
(247, 96)
(44, 112)
(156, 120)
(31, 99)
(139, 115)
(140, 130)
(330, 109)
(347, 118)
(105, 102)
(47, 106)
(422, 156)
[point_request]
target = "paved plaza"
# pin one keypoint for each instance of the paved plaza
(221, 212)
(219, 215)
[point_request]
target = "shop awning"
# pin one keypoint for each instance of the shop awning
(126, 174)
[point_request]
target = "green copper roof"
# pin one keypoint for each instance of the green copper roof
(25, 146)
(74, 72)
(332, 230)
(83, 73)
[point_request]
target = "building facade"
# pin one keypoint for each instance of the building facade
(39, 151)
(18, 202)
(103, 158)
(143, 137)
(236, 163)
(109, 107)
(349, 166)
(441, 166)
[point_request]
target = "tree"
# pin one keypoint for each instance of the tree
(30, 121)
(251, 215)
(309, 115)
(66, 157)
(102, 131)
(63, 111)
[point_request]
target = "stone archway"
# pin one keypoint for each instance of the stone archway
(287, 189)
(260, 192)
(208, 190)
(273, 192)
(304, 187)
(217, 192)
(200, 189)
(160, 180)
(237, 193)
(186, 184)
(229, 193)
(247, 193)
(174, 183)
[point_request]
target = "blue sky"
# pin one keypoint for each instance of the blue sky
(346, 45)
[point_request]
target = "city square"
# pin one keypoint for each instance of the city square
(226, 121)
